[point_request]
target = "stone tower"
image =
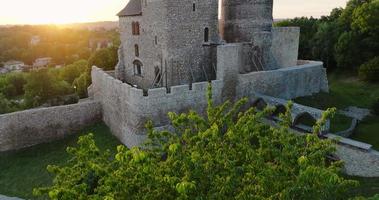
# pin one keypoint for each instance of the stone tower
(249, 22)
(168, 42)
(242, 19)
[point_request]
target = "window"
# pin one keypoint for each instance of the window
(135, 28)
(156, 40)
(193, 7)
(206, 35)
(158, 76)
(137, 68)
(136, 50)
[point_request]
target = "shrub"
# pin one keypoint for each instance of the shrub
(226, 155)
(370, 70)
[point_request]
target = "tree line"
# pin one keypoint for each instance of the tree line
(52, 86)
(63, 45)
(347, 39)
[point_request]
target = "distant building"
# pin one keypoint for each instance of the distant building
(35, 40)
(12, 66)
(97, 44)
(42, 62)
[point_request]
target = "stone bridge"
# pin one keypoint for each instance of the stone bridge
(300, 113)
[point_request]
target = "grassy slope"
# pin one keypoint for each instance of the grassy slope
(347, 91)
(23, 170)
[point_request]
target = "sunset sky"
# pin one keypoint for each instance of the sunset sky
(67, 11)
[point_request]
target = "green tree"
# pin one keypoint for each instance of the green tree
(104, 58)
(81, 84)
(366, 18)
(14, 85)
(71, 72)
(42, 85)
(5, 104)
(226, 155)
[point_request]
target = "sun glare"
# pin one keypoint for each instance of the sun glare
(58, 11)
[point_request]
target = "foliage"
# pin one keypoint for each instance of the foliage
(375, 107)
(346, 90)
(64, 45)
(104, 58)
(12, 84)
(345, 39)
(5, 105)
(24, 169)
(81, 84)
(73, 71)
(42, 85)
(226, 155)
(370, 70)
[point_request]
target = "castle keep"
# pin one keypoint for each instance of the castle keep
(169, 42)
(171, 50)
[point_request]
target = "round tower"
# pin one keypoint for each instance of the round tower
(240, 19)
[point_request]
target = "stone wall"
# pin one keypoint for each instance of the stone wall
(31, 127)
(285, 46)
(285, 83)
(127, 109)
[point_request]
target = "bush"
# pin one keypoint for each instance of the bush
(370, 70)
(226, 155)
(375, 107)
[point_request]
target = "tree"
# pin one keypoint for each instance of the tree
(71, 72)
(81, 84)
(14, 85)
(226, 155)
(42, 85)
(104, 58)
(366, 17)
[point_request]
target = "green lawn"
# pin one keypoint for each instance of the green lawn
(345, 91)
(368, 187)
(23, 170)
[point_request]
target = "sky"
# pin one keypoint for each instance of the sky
(69, 11)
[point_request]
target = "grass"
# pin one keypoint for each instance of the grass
(368, 187)
(23, 170)
(346, 90)
(368, 131)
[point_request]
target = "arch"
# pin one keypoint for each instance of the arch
(137, 67)
(260, 104)
(136, 50)
(304, 120)
(279, 109)
(206, 34)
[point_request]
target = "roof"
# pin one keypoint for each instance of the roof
(133, 8)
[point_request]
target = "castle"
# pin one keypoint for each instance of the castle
(169, 42)
(171, 50)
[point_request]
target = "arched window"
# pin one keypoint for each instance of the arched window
(158, 76)
(193, 7)
(206, 34)
(137, 67)
(136, 50)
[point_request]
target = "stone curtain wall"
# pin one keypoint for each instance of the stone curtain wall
(285, 83)
(31, 127)
(126, 109)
